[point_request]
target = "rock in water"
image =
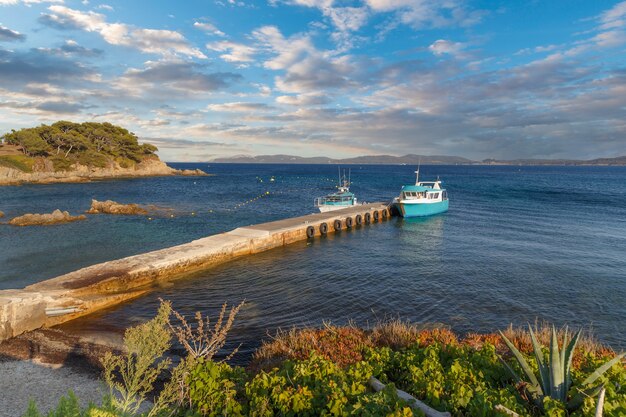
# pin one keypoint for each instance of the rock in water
(56, 217)
(193, 173)
(1, 214)
(112, 207)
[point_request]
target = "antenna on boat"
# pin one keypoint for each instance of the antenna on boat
(417, 173)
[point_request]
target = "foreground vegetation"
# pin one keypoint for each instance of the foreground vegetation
(65, 144)
(328, 371)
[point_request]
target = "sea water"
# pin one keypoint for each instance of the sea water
(519, 244)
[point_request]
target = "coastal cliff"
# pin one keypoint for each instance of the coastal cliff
(82, 173)
(78, 152)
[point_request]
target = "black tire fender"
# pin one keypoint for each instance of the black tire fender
(323, 228)
(349, 222)
(358, 219)
(367, 218)
(337, 224)
(376, 215)
(310, 232)
(385, 213)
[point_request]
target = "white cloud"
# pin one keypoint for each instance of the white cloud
(174, 79)
(239, 107)
(426, 13)
(209, 28)
(311, 99)
(614, 17)
(10, 35)
(441, 47)
(236, 52)
(162, 42)
(306, 69)
(26, 2)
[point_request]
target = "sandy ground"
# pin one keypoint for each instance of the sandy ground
(21, 381)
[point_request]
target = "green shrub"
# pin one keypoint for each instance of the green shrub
(317, 386)
(92, 159)
(20, 162)
(213, 388)
(454, 378)
(61, 164)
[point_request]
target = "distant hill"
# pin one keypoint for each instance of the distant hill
(618, 161)
(411, 159)
(370, 159)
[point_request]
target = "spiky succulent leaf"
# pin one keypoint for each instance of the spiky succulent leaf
(577, 401)
(543, 369)
(602, 369)
(511, 371)
(569, 355)
(556, 371)
(562, 352)
(525, 367)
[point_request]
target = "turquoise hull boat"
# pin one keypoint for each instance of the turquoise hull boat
(342, 199)
(425, 198)
(421, 210)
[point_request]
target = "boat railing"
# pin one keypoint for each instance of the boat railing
(322, 201)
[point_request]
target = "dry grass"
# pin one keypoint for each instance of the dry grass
(200, 340)
(399, 334)
(344, 345)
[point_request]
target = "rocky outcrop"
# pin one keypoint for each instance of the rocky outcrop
(44, 174)
(56, 217)
(112, 207)
(1, 214)
(192, 172)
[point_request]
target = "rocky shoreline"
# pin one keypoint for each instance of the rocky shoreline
(81, 173)
(56, 217)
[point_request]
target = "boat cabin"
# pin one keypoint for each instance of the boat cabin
(425, 190)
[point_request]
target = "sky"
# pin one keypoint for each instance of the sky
(340, 78)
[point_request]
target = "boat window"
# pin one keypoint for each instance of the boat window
(436, 195)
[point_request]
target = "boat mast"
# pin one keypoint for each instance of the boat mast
(417, 173)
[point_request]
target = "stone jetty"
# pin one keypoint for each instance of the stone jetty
(87, 290)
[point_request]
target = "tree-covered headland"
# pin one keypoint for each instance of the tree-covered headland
(66, 143)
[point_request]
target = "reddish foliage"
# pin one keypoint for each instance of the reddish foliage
(342, 345)
(443, 336)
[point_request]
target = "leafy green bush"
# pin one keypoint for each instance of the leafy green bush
(454, 378)
(61, 164)
(92, 158)
(20, 162)
(317, 386)
(213, 388)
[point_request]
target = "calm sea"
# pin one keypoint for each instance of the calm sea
(518, 244)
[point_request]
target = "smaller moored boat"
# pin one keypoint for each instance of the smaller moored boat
(338, 200)
(425, 198)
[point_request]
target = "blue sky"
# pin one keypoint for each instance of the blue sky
(203, 79)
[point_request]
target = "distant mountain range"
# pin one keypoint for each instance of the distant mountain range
(410, 159)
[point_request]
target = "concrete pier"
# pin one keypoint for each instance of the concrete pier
(87, 290)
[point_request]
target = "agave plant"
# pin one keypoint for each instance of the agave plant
(555, 379)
